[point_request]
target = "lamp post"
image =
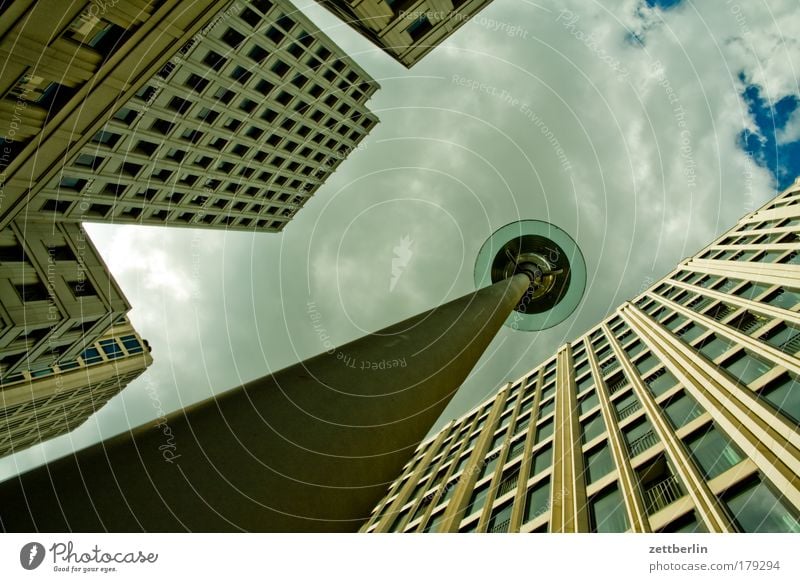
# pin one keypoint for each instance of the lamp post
(311, 447)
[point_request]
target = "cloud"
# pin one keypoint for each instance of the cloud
(633, 149)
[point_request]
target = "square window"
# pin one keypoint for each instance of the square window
(179, 105)
(233, 38)
(197, 83)
(162, 126)
(258, 54)
(58, 206)
(241, 75)
(126, 116)
(146, 148)
(250, 17)
(224, 95)
(264, 87)
(247, 105)
(214, 60)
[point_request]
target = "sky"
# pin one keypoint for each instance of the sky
(643, 128)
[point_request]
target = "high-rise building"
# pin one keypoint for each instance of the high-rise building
(48, 402)
(677, 413)
(236, 128)
(56, 296)
(407, 30)
(66, 69)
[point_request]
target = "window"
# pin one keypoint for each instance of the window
(598, 463)
(81, 288)
(682, 409)
(32, 291)
(713, 452)
(784, 394)
(544, 431)
(537, 501)
(627, 405)
(91, 356)
(747, 367)
(547, 408)
(639, 436)
(660, 382)
(500, 519)
(607, 512)
(592, 428)
(755, 508)
(111, 348)
(106, 138)
(233, 38)
(714, 346)
(478, 499)
(588, 403)
(489, 465)
(784, 337)
(419, 28)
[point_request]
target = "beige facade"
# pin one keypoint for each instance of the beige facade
(56, 296)
(65, 75)
(678, 413)
(406, 29)
(222, 114)
(42, 404)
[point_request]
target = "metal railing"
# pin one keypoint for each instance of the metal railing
(642, 443)
(507, 484)
(661, 494)
(499, 527)
(791, 345)
(629, 409)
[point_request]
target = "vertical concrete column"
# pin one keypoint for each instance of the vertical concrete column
(568, 490)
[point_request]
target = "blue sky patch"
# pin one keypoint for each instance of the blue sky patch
(781, 159)
(663, 4)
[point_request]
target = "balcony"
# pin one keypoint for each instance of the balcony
(642, 443)
(629, 409)
(499, 527)
(658, 495)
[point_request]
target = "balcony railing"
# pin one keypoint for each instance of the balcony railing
(791, 345)
(629, 409)
(661, 494)
(642, 443)
(507, 484)
(499, 527)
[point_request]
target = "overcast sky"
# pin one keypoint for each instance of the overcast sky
(643, 129)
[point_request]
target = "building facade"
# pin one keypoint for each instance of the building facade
(56, 296)
(66, 68)
(678, 413)
(407, 30)
(242, 120)
(48, 402)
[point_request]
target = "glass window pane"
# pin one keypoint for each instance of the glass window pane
(784, 394)
(715, 347)
(477, 500)
(593, 428)
(598, 463)
(757, 509)
(542, 460)
(683, 409)
(547, 408)
(588, 403)
(608, 512)
(713, 452)
(544, 431)
(660, 382)
(537, 501)
(747, 367)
